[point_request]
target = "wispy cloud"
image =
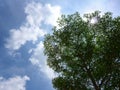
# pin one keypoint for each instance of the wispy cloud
(101, 5)
(13, 83)
(94, 5)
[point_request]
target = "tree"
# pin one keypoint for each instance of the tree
(85, 55)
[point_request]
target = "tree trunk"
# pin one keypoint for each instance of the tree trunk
(93, 80)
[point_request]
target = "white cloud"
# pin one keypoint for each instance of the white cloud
(37, 14)
(54, 13)
(21, 36)
(39, 59)
(14, 83)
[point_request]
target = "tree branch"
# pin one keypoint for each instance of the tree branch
(103, 80)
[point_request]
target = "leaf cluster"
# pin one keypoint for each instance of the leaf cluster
(85, 55)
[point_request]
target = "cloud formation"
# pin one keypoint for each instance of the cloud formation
(37, 14)
(14, 83)
(31, 30)
(39, 60)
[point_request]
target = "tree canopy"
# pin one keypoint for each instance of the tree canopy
(85, 55)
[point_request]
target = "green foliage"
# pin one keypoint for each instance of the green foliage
(86, 56)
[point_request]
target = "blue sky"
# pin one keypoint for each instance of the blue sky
(23, 24)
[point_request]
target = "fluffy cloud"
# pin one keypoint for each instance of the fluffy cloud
(39, 60)
(21, 36)
(14, 83)
(51, 14)
(37, 14)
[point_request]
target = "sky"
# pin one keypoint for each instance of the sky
(23, 24)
